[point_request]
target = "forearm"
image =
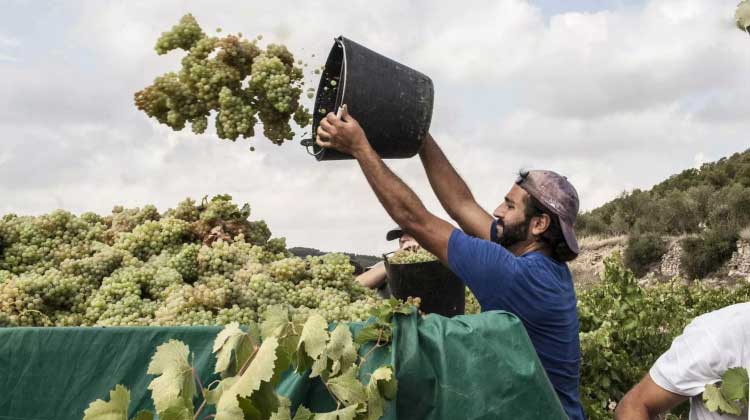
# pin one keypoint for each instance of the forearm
(401, 203)
(373, 277)
(630, 410)
(450, 189)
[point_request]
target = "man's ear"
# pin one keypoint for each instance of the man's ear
(540, 224)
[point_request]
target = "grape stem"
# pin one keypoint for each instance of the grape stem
(203, 393)
(249, 359)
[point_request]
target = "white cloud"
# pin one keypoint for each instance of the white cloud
(614, 100)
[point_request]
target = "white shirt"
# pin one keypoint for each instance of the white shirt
(709, 345)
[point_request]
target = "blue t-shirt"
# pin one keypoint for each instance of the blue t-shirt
(539, 291)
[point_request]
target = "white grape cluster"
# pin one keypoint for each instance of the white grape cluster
(191, 265)
(231, 76)
(409, 256)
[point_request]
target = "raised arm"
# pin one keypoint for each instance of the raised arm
(452, 191)
(404, 207)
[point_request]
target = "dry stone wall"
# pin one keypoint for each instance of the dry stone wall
(739, 265)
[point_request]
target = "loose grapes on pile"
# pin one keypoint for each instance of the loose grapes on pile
(197, 264)
(239, 81)
(409, 256)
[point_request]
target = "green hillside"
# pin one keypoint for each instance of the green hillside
(710, 205)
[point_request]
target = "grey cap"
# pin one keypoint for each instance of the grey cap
(558, 195)
(394, 234)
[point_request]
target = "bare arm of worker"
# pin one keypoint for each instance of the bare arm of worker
(404, 207)
(373, 277)
(452, 191)
(646, 400)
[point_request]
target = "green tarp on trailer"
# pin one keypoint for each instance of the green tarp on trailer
(466, 367)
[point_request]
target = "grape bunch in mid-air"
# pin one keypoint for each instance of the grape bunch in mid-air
(232, 78)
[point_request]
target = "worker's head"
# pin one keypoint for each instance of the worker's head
(404, 239)
(541, 207)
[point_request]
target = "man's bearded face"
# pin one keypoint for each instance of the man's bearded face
(513, 233)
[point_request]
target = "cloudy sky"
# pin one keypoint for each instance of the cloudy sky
(614, 94)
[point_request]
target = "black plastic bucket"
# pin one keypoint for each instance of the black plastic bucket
(392, 102)
(441, 291)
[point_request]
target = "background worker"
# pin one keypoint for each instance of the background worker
(710, 345)
(375, 276)
(514, 261)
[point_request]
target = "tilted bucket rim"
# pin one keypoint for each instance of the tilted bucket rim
(339, 40)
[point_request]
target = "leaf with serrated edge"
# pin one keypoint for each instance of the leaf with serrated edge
(386, 382)
(714, 400)
(144, 415)
(176, 413)
(734, 384)
(232, 341)
(175, 385)
(275, 318)
(347, 387)
(303, 414)
(213, 395)
(114, 409)
(284, 412)
(382, 385)
(229, 330)
(368, 333)
(260, 369)
(314, 336)
(341, 348)
(346, 413)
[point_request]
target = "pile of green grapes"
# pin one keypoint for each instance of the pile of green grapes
(411, 256)
(234, 77)
(196, 264)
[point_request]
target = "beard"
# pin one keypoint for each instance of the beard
(513, 233)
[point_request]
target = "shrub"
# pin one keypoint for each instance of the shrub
(642, 251)
(704, 254)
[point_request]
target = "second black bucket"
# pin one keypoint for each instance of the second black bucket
(441, 291)
(392, 102)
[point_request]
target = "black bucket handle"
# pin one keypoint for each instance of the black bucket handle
(309, 142)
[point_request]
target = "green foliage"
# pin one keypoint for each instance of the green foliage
(642, 251)
(718, 194)
(731, 396)
(248, 392)
(625, 328)
(706, 252)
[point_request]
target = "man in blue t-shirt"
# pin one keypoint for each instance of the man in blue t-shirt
(513, 259)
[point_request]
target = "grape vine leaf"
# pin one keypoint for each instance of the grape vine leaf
(341, 348)
(213, 395)
(347, 387)
(742, 15)
(284, 411)
(232, 341)
(346, 413)
(714, 400)
(374, 332)
(176, 413)
(261, 369)
(382, 386)
(303, 414)
(114, 409)
(144, 415)
(734, 384)
(276, 317)
(175, 385)
(312, 341)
